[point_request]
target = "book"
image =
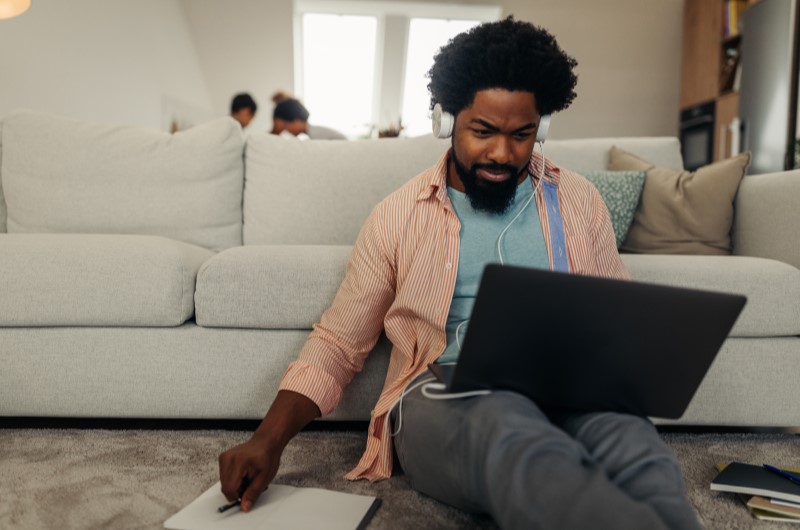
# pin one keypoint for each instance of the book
(755, 480)
(278, 508)
(763, 504)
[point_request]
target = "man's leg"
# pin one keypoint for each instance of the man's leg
(635, 459)
(499, 454)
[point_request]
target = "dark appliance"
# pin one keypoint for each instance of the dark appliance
(697, 135)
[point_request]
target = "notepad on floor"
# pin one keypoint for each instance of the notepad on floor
(278, 508)
(755, 480)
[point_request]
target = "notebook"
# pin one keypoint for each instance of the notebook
(583, 343)
(278, 508)
(755, 480)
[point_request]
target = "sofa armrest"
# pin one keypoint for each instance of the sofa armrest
(767, 217)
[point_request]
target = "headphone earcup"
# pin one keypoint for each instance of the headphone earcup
(544, 126)
(442, 122)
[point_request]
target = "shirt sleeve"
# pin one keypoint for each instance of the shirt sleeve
(607, 259)
(348, 330)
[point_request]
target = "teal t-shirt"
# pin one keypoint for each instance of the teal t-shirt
(523, 245)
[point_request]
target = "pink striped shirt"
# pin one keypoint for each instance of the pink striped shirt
(400, 279)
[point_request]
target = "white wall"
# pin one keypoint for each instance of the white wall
(136, 62)
(111, 61)
(628, 51)
(244, 46)
(629, 63)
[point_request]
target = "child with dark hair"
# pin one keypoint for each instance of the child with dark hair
(414, 273)
(243, 108)
(291, 116)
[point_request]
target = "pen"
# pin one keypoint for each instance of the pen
(784, 474)
(230, 505)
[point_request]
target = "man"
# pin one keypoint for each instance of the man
(243, 109)
(414, 272)
(290, 116)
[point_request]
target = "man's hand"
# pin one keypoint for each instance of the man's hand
(246, 470)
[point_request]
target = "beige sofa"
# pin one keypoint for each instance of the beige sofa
(147, 275)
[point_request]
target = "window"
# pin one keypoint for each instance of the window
(425, 37)
(360, 66)
(339, 92)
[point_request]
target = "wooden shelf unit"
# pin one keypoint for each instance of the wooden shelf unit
(704, 77)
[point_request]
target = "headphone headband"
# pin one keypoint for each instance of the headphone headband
(443, 123)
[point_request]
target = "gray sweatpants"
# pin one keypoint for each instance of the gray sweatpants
(500, 454)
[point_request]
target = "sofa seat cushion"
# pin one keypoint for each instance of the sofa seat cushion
(97, 280)
(772, 287)
(269, 286)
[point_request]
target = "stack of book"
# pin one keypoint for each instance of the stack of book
(732, 17)
(771, 494)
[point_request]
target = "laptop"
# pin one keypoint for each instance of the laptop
(590, 344)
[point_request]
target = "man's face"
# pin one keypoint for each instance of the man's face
(493, 141)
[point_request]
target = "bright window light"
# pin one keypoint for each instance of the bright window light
(425, 37)
(338, 93)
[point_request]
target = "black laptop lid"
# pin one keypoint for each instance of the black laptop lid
(579, 342)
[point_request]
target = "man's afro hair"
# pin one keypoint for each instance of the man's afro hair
(507, 54)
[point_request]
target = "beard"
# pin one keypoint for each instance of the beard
(483, 195)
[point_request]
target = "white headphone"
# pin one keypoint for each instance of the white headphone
(443, 123)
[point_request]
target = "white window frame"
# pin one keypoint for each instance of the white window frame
(387, 101)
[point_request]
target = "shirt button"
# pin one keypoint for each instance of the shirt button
(448, 266)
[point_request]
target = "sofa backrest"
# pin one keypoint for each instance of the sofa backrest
(2, 198)
(589, 154)
(67, 176)
(320, 192)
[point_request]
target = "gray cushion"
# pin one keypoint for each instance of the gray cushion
(767, 218)
(68, 176)
(588, 154)
(320, 193)
(161, 373)
(269, 287)
(96, 280)
(772, 287)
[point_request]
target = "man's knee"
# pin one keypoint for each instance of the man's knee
(506, 425)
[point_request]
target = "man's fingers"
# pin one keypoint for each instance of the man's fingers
(231, 474)
(254, 490)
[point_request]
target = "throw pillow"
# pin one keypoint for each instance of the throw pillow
(683, 212)
(62, 175)
(620, 191)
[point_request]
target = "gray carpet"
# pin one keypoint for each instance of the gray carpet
(109, 479)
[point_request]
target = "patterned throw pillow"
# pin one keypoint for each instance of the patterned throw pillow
(621, 191)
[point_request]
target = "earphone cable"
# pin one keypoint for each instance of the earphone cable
(533, 195)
